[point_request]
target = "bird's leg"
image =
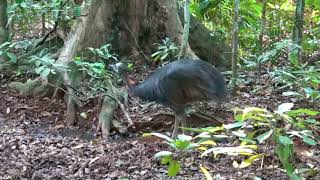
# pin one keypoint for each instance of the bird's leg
(176, 126)
(180, 118)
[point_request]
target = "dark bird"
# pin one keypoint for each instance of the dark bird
(176, 85)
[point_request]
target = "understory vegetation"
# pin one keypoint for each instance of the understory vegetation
(272, 120)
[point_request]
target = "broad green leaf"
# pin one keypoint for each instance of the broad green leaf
(166, 159)
(202, 148)
(228, 150)
(294, 113)
(250, 160)
(208, 142)
(250, 146)
(183, 137)
(206, 173)
(233, 125)
(159, 135)
(162, 153)
(284, 107)
(174, 168)
(45, 72)
(309, 140)
(203, 135)
(239, 133)
(13, 57)
(264, 136)
(285, 140)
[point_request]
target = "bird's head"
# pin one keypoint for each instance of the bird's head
(122, 70)
(119, 68)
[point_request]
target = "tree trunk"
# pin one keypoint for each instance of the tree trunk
(205, 46)
(262, 30)
(186, 28)
(297, 31)
(235, 30)
(4, 33)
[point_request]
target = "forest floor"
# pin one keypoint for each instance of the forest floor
(35, 144)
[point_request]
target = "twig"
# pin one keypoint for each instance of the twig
(84, 165)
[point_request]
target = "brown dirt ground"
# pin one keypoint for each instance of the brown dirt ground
(35, 144)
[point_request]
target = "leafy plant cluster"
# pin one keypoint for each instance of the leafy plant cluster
(302, 82)
(256, 128)
(165, 50)
(217, 16)
(26, 12)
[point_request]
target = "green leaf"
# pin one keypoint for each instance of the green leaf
(19, 1)
(174, 168)
(77, 11)
(166, 160)
(240, 133)
(162, 153)
(264, 136)
(291, 93)
(13, 57)
(309, 140)
(250, 160)
(294, 113)
(206, 173)
(234, 125)
(45, 72)
(284, 107)
(167, 138)
(228, 150)
(183, 137)
(285, 140)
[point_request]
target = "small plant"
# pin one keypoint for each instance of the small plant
(97, 82)
(254, 126)
(104, 54)
(303, 82)
(181, 144)
(166, 49)
(268, 125)
(94, 70)
(45, 65)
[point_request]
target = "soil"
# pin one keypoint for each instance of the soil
(35, 144)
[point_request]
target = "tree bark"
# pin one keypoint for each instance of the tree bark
(205, 46)
(262, 30)
(4, 32)
(297, 31)
(235, 30)
(186, 28)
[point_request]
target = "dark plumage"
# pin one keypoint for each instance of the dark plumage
(177, 84)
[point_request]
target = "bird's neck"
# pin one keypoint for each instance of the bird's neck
(131, 84)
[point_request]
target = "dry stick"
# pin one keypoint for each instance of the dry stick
(126, 114)
(84, 165)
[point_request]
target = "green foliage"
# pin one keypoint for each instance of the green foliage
(254, 127)
(44, 64)
(183, 143)
(103, 54)
(27, 12)
(165, 50)
(303, 81)
(93, 69)
(269, 123)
